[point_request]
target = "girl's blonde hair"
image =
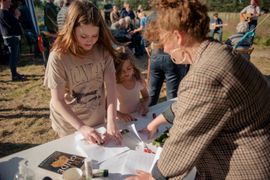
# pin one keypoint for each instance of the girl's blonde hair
(124, 55)
(82, 12)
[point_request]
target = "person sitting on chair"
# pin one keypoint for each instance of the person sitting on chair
(216, 27)
(242, 46)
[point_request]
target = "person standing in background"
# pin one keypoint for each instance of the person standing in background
(50, 16)
(61, 16)
(107, 8)
(115, 15)
(251, 14)
(216, 26)
(11, 32)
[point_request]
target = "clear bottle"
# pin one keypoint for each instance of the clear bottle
(21, 173)
(30, 174)
(24, 173)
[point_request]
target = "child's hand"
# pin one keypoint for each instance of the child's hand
(142, 109)
(113, 132)
(91, 135)
(125, 117)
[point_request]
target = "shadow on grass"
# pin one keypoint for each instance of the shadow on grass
(4, 99)
(26, 109)
(30, 60)
(10, 148)
(21, 115)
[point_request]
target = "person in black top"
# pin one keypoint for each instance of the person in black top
(107, 11)
(11, 33)
(50, 16)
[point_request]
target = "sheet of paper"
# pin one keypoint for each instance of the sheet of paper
(115, 165)
(137, 160)
(126, 164)
(157, 155)
(96, 152)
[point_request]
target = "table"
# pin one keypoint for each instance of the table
(9, 164)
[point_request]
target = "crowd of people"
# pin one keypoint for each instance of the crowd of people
(220, 121)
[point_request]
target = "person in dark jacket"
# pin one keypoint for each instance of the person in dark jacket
(11, 33)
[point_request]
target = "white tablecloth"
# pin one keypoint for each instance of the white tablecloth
(69, 144)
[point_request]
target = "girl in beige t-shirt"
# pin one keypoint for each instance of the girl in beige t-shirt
(130, 86)
(80, 65)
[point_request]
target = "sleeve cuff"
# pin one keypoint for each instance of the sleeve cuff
(157, 174)
(169, 115)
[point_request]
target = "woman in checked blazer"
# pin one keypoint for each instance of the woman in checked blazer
(221, 120)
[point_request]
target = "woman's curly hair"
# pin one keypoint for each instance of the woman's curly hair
(189, 16)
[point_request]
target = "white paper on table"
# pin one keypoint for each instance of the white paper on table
(97, 152)
(115, 165)
(126, 164)
(157, 155)
(137, 160)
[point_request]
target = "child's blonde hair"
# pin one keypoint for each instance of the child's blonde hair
(124, 55)
(82, 12)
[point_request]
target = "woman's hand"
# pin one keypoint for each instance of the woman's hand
(125, 117)
(91, 135)
(141, 175)
(142, 109)
(150, 130)
(113, 132)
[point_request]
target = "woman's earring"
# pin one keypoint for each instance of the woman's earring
(180, 56)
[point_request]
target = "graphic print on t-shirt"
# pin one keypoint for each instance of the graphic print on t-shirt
(87, 80)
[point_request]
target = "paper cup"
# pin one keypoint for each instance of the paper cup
(72, 174)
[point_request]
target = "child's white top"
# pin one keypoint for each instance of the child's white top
(128, 99)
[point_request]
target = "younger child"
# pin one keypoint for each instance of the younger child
(129, 87)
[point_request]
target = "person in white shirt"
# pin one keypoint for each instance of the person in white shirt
(251, 14)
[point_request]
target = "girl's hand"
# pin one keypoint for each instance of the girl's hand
(142, 109)
(150, 130)
(141, 175)
(125, 117)
(90, 134)
(113, 132)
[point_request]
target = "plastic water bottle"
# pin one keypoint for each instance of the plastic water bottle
(21, 173)
(24, 173)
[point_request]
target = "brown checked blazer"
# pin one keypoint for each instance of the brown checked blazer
(221, 120)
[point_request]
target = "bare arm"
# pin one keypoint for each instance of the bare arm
(142, 107)
(110, 82)
(57, 99)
